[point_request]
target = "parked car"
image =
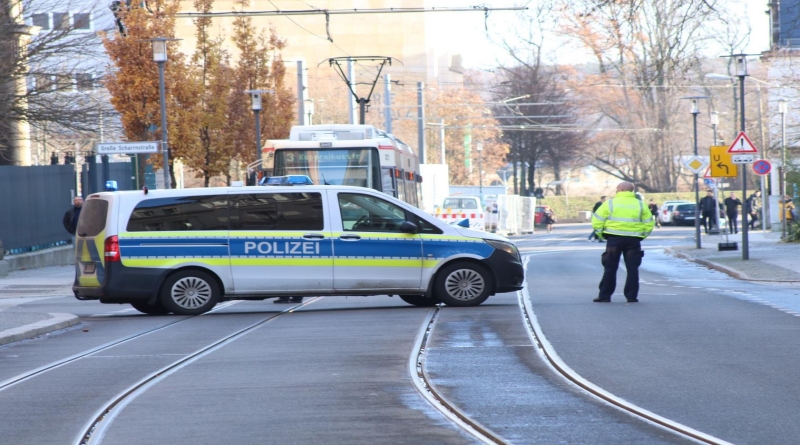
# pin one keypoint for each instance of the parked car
(538, 216)
(666, 210)
(684, 214)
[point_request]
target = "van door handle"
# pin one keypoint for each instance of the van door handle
(314, 236)
(349, 237)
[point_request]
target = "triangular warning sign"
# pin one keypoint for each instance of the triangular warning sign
(742, 145)
(707, 175)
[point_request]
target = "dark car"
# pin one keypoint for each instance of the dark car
(684, 214)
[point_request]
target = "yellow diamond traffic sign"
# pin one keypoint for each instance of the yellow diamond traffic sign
(696, 164)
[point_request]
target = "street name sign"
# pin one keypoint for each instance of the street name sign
(743, 159)
(106, 148)
(762, 167)
(696, 164)
(722, 165)
(742, 145)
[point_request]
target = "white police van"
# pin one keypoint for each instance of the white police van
(183, 251)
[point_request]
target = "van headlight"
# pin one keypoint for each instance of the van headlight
(505, 247)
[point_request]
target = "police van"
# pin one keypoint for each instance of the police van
(183, 251)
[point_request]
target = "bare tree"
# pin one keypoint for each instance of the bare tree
(51, 59)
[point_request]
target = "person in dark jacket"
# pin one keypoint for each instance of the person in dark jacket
(654, 210)
(753, 205)
(71, 217)
(732, 204)
(708, 210)
(594, 209)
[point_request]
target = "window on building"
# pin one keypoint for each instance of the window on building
(41, 20)
(64, 83)
(82, 20)
(84, 81)
(44, 82)
(61, 21)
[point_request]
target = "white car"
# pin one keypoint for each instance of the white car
(666, 209)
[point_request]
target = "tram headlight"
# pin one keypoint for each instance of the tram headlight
(505, 247)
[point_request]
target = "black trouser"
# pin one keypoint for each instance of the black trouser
(630, 248)
(709, 219)
(732, 218)
(753, 218)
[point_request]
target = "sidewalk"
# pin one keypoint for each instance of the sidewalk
(771, 260)
(24, 286)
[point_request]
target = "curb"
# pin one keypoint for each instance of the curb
(33, 330)
(732, 272)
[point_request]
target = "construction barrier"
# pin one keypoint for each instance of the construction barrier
(477, 220)
(515, 214)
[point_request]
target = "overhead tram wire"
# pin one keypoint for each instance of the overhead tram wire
(342, 11)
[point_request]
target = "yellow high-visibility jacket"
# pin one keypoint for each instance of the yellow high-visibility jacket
(623, 215)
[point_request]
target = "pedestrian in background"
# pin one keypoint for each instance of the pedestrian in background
(549, 219)
(732, 204)
(788, 210)
(753, 205)
(624, 222)
(708, 211)
(594, 209)
(71, 217)
(654, 211)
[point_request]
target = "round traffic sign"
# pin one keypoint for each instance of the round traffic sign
(762, 167)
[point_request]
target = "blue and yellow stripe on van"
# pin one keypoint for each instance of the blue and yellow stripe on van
(90, 250)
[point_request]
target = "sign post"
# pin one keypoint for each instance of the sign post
(743, 152)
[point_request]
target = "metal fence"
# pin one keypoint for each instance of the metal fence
(34, 200)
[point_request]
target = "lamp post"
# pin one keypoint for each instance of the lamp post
(741, 72)
(714, 124)
(309, 106)
(160, 57)
(480, 170)
(695, 110)
(255, 105)
(782, 109)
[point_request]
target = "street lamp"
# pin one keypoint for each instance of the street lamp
(309, 106)
(160, 57)
(695, 111)
(480, 170)
(255, 105)
(782, 109)
(714, 124)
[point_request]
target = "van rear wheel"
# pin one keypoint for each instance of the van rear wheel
(419, 300)
(189, 292)
(150, 309)
(463, 284)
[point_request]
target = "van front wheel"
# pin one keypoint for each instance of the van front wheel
(189, 292)
(463, 284)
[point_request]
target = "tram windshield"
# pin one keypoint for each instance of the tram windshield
(358, 167)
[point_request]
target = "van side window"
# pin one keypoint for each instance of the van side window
(180, 213)
(93, 217)
(277, 211)
(426, 227)
(364, 213)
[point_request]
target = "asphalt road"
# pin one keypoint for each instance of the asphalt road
(702, 349)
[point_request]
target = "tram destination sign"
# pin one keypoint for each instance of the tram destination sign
(106, 148)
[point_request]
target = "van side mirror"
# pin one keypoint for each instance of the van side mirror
(463, 223)
(408, 227)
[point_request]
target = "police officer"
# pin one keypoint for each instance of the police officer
(624, 222)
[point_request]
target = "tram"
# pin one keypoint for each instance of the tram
(338, 154)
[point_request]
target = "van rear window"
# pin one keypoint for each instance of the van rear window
(180, 214)
(93, 217)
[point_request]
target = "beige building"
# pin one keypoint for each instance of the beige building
(422, 46)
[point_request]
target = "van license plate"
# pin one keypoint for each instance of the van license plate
(89, 268)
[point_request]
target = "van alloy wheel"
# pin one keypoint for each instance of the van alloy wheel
(463, 284)
(190, 292)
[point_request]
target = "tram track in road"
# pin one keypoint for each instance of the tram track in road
(92, 433)
(549, 354)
